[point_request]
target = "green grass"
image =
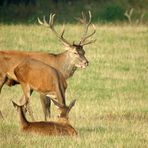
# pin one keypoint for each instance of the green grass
(112, 105)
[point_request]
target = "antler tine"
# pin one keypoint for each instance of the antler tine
(89, 17)
(51, 20)
(50, 24)
(85, 36)
(44, 23)
(39, 21)
(89, 42)
(88, 36)
(63, 31)
(85, 22)
(63, 39)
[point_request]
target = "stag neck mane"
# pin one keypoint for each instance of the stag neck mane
(67, 67)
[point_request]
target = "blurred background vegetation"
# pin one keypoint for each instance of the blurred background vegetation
(104, 11)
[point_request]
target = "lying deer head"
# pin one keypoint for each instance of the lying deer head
(76, 52)
(64, 110)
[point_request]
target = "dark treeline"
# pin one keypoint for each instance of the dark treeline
(17, 2)
(27, 2)
(26, 11)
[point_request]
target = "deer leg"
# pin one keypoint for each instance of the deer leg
(23, 100)
(3, 79)
(27, 92)
(29, 108)
(46, 103)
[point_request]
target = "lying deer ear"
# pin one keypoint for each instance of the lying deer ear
(14, 104)
(72, 103)
(56, 103)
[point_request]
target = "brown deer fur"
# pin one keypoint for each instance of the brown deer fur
(64, 62)
(35, 75)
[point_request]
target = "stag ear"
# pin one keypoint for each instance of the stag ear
(72, 103)
(56, 103)
(69, 47)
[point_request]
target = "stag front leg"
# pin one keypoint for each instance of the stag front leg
(27, 92)
(29, 109)
(3, 79)
(23, 100)
(46, 103)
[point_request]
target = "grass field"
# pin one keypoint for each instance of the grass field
(112, 93)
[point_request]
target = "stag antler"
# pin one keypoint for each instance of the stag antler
(139, 21)
(84, 21)
(51, 26)
(129, 14)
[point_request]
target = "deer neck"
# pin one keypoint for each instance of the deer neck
(23, 120)
(67, 66)
(63, 121)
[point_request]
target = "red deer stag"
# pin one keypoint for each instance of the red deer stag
(62, 127)
(65, 62)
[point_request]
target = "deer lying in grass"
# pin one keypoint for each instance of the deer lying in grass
(66, 62)
(61, 127)
(35, 75)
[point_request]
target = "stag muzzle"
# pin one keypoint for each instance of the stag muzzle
(86, 63)
(83, 64)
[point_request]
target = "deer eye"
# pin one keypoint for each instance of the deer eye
(75, 53)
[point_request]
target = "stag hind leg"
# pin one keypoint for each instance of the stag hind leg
(46, 103)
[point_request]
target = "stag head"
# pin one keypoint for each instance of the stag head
(75, 51)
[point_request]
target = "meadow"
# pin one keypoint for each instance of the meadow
(112, 92)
